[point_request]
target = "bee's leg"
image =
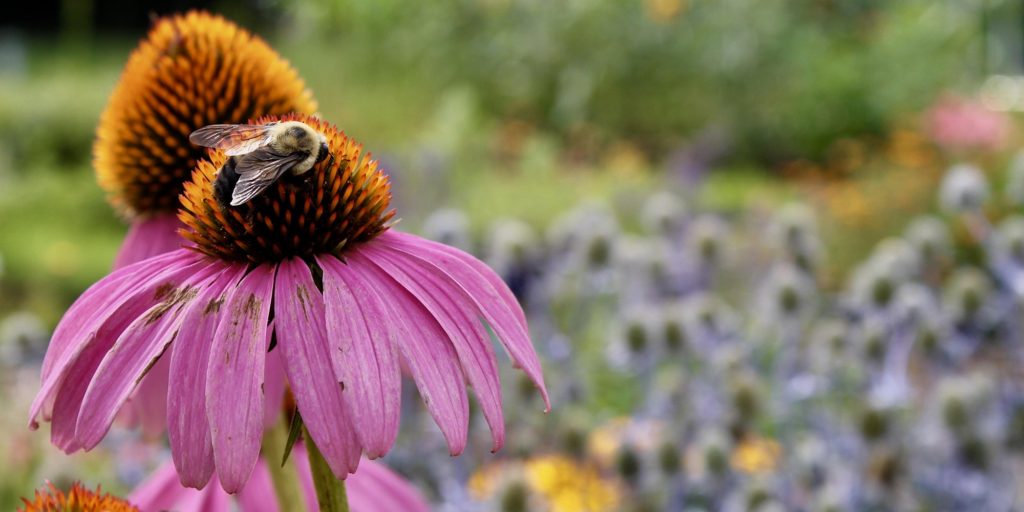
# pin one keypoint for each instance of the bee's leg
(224, 185)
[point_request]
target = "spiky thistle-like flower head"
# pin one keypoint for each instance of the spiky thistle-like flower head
(190, 71)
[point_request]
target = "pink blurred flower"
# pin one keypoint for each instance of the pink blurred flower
(962, 124)
(374, 488)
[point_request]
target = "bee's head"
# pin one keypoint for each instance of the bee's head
(298, 136)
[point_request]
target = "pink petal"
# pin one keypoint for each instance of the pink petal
(162, 491)
(74, 372)
(188, 428)
(76, 378)
(149, 237)
(301, 465)
(364, 356)
(124, 293)
(504, 292)
(376, 487)
(148, 404)
(259, 493)
(234, 379)
(274, 384)
(132, 355)
(425, 348)
(476, 281)
(459, 319)
(302, 339)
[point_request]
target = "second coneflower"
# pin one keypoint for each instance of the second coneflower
(190, 71)
(351, 301)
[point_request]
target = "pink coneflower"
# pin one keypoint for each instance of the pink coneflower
(352, 302)
(374, 488)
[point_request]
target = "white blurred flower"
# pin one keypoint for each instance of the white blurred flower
(788, 293)
(450, 227)
(21, 333)
(572, 231)
(663, 213)
(794, 233)
(633, 341)
(930, 237)
(897, 258)
(707, 241)
(511, 245)
(966, 293)
(1009, 241)
(964, 189)
(873, 285)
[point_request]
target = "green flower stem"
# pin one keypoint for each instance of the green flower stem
(330, 491)
(285, 479)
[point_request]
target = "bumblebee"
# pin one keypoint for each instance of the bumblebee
(260, 155)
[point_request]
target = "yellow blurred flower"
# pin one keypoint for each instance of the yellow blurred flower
(909, 148)
(568, 486)
(484, 483)
(756, 455)
(665, 10)
(605, 441)
(561, 483)
(626, 159)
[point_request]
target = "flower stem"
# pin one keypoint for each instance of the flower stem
(330, 490)
(285, 479)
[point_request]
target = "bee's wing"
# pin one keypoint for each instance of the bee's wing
(234, 139)
(258, 170)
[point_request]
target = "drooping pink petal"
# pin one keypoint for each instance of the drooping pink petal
(234, 380)
(147, 406)
(302, 338)
(259, 493)
(274, 384)
(76, 378)
(425, 349)
(363, 355)
(125, 292)
(188, 428)
(374, 488)
(133, 354)
(149, 237)
(205, 501)
(460, 322)
(377, 488)
(504, 292)
(162, 491)
(75, 369)
(447, 263)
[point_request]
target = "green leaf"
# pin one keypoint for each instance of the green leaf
(293, 435)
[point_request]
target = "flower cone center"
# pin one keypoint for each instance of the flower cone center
(342, 201)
